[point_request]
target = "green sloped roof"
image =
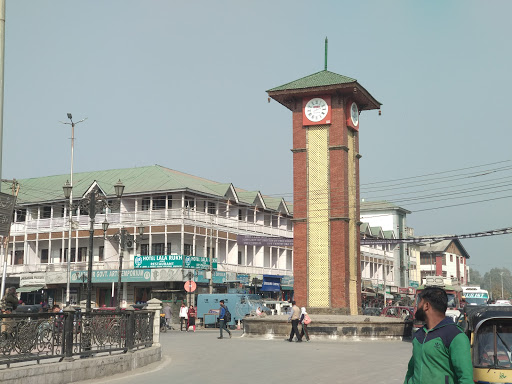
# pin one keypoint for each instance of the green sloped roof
(375, 231)
(247, 197)
(139, 180)
(319, 79)
(380, 206)
(389, 234)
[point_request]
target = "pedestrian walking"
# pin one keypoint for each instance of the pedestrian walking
(440, 349)
(191, 318)
(294, 318)
(304, 320)
(223, 319)
(168, 315)
(10, 300)
(183, 316)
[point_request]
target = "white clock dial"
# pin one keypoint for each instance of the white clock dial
(316, 109)
(354, 114)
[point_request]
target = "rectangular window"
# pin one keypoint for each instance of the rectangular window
(240, 258)
(240, 215)
(190, 203)
(44, 256)
(444, 259)
(451, 258)
(146, 203)
(18, 257)
(21, 215)
(211, 208)
(159, 202)
(169, 249)
(101, 253)
(426, 259)
(188, 250)
(158, 249)
(82, 254)
(144, 249)
(212, 252)
(66, 255)
(46, 212)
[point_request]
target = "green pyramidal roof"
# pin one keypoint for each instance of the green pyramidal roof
(138, 180)
(319, 79)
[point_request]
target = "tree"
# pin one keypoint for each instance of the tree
(475, 278)
(492, 282)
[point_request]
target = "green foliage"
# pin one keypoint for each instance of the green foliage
(492, 281)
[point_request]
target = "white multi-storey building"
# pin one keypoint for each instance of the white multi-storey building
(377, 261)
(181, 215)
(391, 217)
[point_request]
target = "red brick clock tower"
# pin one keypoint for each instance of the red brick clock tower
(326, 264)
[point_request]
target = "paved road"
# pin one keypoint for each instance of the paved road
(201, 358)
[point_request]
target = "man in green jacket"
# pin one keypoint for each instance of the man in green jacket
(440, 352)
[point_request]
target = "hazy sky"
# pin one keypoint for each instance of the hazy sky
(182, 84)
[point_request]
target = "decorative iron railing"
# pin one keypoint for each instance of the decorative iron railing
(37, 336)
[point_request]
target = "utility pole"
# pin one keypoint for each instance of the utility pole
(2, 60)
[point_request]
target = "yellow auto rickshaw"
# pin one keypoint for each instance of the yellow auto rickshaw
(489, 329)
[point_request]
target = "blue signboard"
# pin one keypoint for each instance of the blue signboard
(271, 283)
(243, 278)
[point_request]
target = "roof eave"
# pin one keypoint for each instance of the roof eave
(289, 97)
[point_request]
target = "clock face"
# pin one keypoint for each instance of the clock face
(354, 114)
(316, 109)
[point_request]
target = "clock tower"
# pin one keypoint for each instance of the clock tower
(326, 259)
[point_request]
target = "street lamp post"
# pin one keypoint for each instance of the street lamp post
(502, 296)
(69, 185)
(123, 237)
(93, 203)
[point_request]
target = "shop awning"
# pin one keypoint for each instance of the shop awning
(29, 289)
(286, 287)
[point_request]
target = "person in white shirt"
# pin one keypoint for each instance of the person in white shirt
(183, 316)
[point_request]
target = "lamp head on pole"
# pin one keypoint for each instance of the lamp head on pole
(119, 189)
(104, 225)
(70, 116)
(141, 229)
(67, 189)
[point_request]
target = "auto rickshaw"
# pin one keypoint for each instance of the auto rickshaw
(489, 329)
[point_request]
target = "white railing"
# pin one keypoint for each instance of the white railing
(253, 270)
(156, 217)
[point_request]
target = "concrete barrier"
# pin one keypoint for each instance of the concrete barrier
(80, 369)
(334, 327)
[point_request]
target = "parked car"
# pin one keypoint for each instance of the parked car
(398, 312)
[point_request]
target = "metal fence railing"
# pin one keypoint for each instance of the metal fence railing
(38, 336)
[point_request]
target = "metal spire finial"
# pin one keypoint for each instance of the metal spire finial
(326, 43)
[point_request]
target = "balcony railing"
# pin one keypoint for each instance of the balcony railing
(154, 217)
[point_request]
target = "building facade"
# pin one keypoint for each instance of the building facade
(446, 258)
(182, 215)
(393, 218)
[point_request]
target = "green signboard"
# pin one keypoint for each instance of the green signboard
(158, 261)
(111, 275)
(198, 262)
(413, 284)
(173, 261)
